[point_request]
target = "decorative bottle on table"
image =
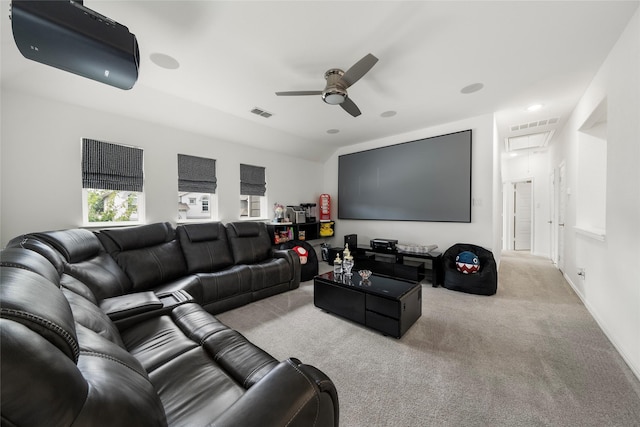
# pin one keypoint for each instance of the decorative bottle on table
(347, 264)
(337, 265)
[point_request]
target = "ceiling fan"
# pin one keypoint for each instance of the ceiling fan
(337, 83)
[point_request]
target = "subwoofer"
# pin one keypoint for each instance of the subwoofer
(66, 35)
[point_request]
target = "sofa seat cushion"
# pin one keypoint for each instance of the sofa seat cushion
(269, 273)
(193, 390)
(216, 373)
(224, 284)
(156, 341)
(245, 362)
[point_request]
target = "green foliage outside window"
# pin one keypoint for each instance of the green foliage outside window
(111, 206)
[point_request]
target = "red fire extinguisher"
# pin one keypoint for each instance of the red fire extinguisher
(325, 207)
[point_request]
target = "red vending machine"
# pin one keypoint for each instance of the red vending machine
(325, 207)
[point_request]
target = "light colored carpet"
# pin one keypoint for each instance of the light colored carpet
(531, 355)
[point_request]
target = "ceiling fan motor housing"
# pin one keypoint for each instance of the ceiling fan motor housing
(334, 93)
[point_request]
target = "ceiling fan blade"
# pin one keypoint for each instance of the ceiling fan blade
(358, 70)
(350, 107)
(299, 93)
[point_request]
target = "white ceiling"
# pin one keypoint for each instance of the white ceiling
(234, 56)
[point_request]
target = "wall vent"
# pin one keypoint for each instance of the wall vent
(261, 112)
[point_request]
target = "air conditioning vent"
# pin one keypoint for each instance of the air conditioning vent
(261, 112)
(533, 125)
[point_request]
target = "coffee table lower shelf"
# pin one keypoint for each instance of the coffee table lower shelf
(385, 304)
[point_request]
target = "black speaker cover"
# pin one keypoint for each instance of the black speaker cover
(66, 35)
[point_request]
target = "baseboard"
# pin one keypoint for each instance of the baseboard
(602, 325)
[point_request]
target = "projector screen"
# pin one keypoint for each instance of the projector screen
(424, 180)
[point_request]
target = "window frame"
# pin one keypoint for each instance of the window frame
(87, 169)
(254, 180)
(197, 173)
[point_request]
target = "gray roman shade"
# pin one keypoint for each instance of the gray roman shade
(252, 181)
(109, 166)
(196, 174)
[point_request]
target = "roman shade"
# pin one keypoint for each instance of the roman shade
(252, 181)
(196, 174)
(109, 166)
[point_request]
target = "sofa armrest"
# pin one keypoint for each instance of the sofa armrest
(129, 309)
(294, 262)
(130, 305)
(292, 394)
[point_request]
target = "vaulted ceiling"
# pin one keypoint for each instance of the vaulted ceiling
(232, 56)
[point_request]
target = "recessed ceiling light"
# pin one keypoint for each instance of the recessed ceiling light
(164, 61)
(333, 131)
(534, 107)
(472, 88)
(389, 113)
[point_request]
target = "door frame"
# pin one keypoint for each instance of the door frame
(508, 215)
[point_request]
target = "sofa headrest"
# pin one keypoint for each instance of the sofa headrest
(30, 260)
(246, 229)
(203, 232)
(40, 247)
(142, 236)
(75, 245)
(33, 301)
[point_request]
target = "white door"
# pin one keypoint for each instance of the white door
(553, 196)
(562, 207)
(522, 216)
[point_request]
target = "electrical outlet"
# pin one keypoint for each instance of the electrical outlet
(582, 272)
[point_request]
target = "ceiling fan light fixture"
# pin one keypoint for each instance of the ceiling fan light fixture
(333, 98)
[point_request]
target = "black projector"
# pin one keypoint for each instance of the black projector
(66, 35)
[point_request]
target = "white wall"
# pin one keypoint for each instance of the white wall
(611, 287)
(481, 229)
(41, 177)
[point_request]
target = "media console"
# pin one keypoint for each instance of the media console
(403, 265)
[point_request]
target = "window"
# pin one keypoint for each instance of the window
(253, 202)
(197, 186)
(112, 183)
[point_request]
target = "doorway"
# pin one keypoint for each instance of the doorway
(522, 215)
(518, 215)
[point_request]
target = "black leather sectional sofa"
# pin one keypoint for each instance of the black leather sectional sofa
(116, 328)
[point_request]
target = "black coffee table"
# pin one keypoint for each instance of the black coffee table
(386, 304)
